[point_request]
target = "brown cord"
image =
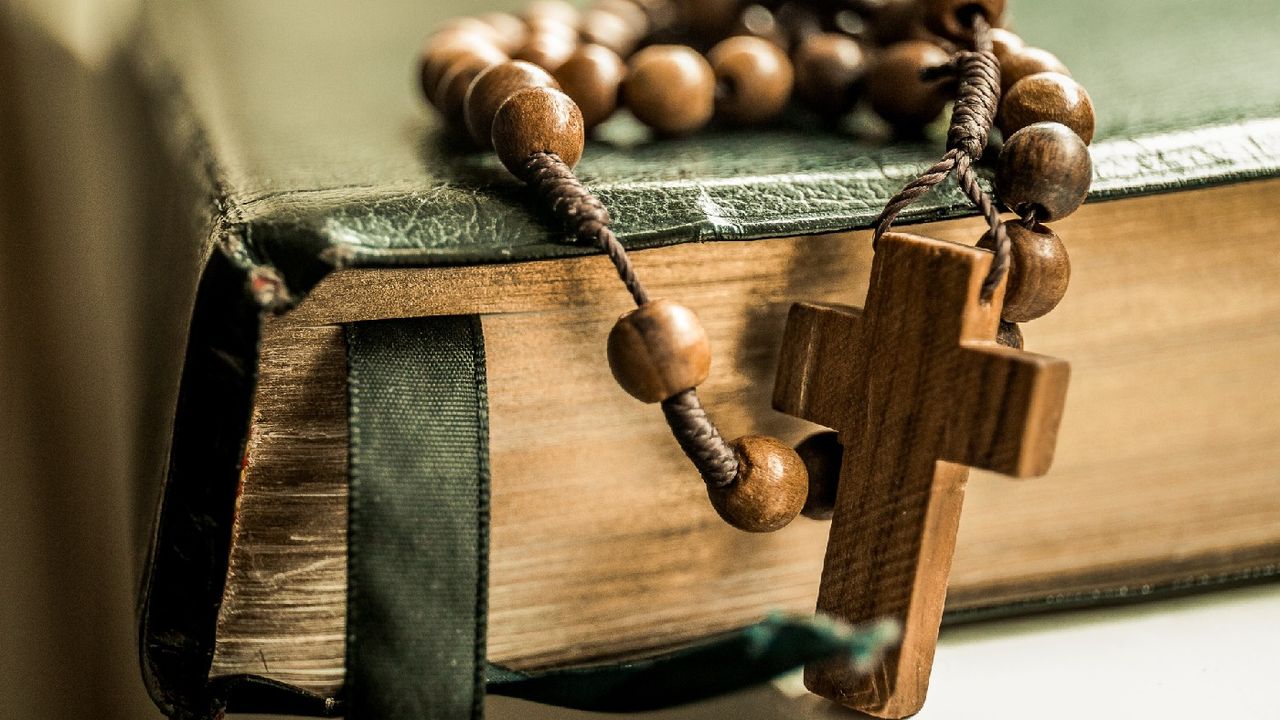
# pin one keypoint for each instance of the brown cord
(973, 114)
(587, 217)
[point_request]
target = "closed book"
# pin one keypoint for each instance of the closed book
(328, 196)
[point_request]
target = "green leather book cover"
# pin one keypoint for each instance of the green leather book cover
(300, 125)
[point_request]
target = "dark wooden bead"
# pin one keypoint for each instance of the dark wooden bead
(1038, 274)
(592, 76)
(754, 77)
(950, 18)
(769, 490)
(709, 18)
(451, 91)
(1025, 61)
(898, 93)
(548, 50)
(760, 22)
(658, 350)
(492, 87)
(891, 21)
(537, 119)
(1045, 166)
(829, 69)
(670, 88)
(444, 50)
(822, 455)
(1009, 335)
(1047, 96)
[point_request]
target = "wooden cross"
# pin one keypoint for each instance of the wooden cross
(918, 390)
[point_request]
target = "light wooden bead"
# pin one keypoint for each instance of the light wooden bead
(552, 11)
(769, 490)
(1004, 43)
(537, 119)
(670, 88)
(755, 77)
(1047, 96)
(1045, 166)
(1038, 274)
(592, 76)
(1025, 61)
(474, 26)
(492, 87)
(451, 92)
(547, 50)
(618, 31)
(446, 49)
(822, 455)
(948, 18)
(511, 30)
(659, 350)
(896, 90)
(829, 68)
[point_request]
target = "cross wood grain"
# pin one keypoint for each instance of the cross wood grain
(918, 389)
(1167, 468)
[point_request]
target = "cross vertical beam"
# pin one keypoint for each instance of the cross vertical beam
(918, 390)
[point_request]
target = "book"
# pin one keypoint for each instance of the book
(331, 197)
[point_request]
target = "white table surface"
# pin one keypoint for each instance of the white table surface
(1213, 655)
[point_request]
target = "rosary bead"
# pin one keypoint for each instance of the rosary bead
(548, 50)
(445, 49)
(1038, 273)
(1047, 96)
(891, 21)
(559, 12)
(754, 77)
(659, 350)
(709, 18)
(619, 26)
(770, 487)
(670, 88)
(493, 86)
(822, 455)
(592, 76)
(1004, 43)
(451, 92)
(511, 30)
(950, 18)
(896, 90)
(829, 67)
(537, 119)
(1025, 61)
(1044, 166)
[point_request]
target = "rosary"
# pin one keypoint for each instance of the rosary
(923, 382)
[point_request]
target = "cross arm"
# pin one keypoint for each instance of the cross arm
(821, 363)
(1007, 410)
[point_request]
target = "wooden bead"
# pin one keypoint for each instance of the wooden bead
(758, 21)
(537, 119)
(896, 90)
(1004, 43)
(616, 29)
(592, 76)
(547, 50)
(1038, 274)
(829, 68)
(892, 21)
(1025, 61)
(755, 78)
(492, 87)
(511, 31)
(444, 50)
(1047, 96)
(822, 455)
(709, 18)
(950, 18)
(670, 88)
(658, 350)
(552, 11)
(1046, 166)
(769, 490)
(451, 91)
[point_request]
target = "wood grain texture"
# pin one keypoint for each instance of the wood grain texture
(1167, 469)
(926, 383)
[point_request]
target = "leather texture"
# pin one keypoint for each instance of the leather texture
(326, 155)
(300, 122)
